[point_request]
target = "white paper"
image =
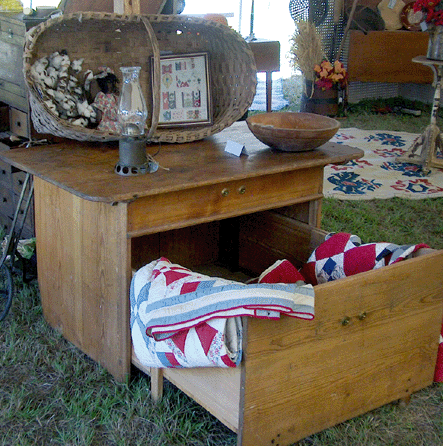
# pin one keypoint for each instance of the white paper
(235, 148)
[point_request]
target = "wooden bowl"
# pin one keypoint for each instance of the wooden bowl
(292, 131)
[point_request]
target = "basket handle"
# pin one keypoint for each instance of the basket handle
(155, 77)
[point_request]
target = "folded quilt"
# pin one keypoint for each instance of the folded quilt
(180, 318)
(342, 255)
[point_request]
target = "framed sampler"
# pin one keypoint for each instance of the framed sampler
(184, 90)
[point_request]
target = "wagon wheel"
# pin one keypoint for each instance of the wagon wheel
(6, 290)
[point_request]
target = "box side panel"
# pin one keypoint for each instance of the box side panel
(304, 376)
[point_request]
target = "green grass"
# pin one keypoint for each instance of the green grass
(396, 220)
(52, 394)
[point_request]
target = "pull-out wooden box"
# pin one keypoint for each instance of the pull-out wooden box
(374, 340)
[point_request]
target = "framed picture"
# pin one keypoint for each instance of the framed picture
(184, 90)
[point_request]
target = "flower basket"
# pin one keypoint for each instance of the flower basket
(113, 40)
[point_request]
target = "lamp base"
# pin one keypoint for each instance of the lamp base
(132, 157)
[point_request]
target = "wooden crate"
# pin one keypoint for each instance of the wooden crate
(299, 377)
(386, 56)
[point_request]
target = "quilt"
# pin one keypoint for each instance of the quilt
(180, 318)
(342, 255)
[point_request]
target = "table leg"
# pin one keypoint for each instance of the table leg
(268, 91)
(156, 383)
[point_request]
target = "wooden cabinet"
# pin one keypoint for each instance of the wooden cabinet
(12, 82)
(14, 98)
(386, 56)
(11, 182)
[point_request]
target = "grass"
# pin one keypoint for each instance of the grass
(52, 394)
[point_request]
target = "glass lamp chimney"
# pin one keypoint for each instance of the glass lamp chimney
(132, 115)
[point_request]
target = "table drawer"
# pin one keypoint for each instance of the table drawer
(13, 95)
(191, 206)
(12, 30)
(11, 57)
(5, 223)
(5, 174)
(20, 123)
(6, 201)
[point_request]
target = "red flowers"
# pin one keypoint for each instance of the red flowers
(433, 10)
(328, 75)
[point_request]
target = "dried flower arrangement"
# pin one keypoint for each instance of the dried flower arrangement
(328, 75)
(432, 9)
(309, 57)
(306, 49)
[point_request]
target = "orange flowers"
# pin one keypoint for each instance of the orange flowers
(328, 75)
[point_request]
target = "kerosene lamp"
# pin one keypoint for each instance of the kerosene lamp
(132, 115)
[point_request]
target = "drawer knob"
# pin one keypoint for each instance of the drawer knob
(362, 315)
(10, 33)
(225, 192)
(242, 190)
(346, 321)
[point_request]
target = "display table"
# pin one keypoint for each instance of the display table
(207, 206)
(87, 216)
(267, 59)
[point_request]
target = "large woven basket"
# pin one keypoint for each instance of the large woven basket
(114, 41)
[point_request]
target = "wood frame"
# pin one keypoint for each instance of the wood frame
(190, 102)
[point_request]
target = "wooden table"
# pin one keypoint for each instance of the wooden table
(90, 221)
(94, 227)
(375, 335)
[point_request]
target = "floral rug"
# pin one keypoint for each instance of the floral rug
(377, 175)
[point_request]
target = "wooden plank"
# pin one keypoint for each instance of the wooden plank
(191, 246)
(304, 376)
(266, 54)
(216, 389)
(386, 56)
(268, 236)
(191, 165)
(84, 274)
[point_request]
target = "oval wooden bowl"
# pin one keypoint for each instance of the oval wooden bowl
(292, 131)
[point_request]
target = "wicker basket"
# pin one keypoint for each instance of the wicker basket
(121, 40)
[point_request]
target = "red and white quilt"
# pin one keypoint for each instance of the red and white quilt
(342, 255)
(180, 318)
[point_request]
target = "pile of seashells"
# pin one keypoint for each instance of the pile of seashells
(64, 90)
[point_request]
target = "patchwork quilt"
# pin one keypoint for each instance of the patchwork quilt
(180, 318)
(343, 254)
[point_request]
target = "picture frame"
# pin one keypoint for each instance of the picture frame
(185, 97)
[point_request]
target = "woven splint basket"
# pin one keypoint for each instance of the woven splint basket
(114, 41)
